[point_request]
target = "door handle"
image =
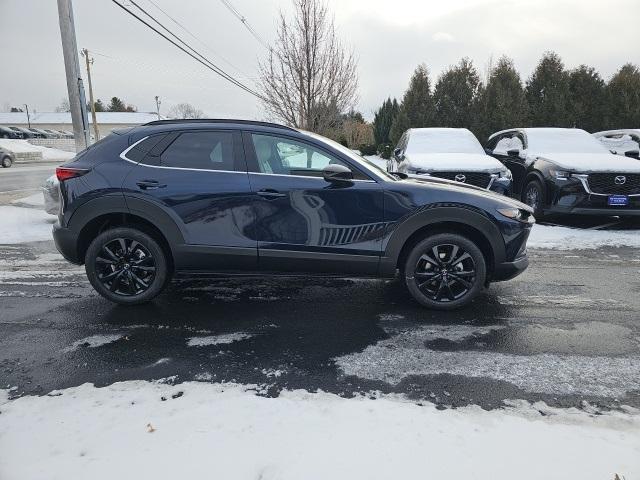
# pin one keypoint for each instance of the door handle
(270, 193)
(150, 184)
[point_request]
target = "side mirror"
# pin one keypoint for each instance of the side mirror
(337, 173)
(632, 154)
(398, 153)
(514, 152)
(488, 151)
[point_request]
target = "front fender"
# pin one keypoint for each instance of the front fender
(463, 215)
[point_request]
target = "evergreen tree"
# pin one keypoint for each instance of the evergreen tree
(456, 94)
(587, 101)
(400, 124)
(417, 101)
(116, 105)
(502, 102)
(99, 106)
(382, 120)
(548, 93)
(623, 93)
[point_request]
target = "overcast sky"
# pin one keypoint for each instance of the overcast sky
(389, 37)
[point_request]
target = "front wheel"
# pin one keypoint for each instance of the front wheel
(533, 195)
(126, 266)
(6, 162)
(445, 271)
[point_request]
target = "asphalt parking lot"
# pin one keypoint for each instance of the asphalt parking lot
(566, 332)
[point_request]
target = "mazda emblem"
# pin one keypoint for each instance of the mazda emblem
(461, 178)
(620, 180)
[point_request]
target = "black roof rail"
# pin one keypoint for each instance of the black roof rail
(218, 120)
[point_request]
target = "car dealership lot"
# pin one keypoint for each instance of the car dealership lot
(565, 332)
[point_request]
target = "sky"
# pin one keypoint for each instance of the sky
(389, 38)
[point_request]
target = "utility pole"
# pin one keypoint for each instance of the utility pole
(158, 102)
(75, 88)
(28, 118)
(85, 54)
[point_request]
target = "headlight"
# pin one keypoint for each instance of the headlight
(560, 174)
(517, 214)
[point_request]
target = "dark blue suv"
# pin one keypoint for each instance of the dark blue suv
(237, 197)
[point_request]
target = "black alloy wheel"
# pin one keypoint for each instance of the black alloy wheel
(445, 271)
(533, 195)
(126, 266)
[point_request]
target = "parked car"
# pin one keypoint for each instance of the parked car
(18, 132)
(51, 193)
(27, 133)
(621, 142)
(567, 171)
(53, 133)
(450, 153)
(6, 158)
(230, 196)
(66, 134)
(8, 132)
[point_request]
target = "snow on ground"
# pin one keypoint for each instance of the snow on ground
(22, 146)
(35, 200)
(21, 225)
(565, 238)
(94, 341)
(224, 339)
(404, 354)
(139, 429)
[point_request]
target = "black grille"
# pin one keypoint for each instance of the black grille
(471, 178)
(605, 183)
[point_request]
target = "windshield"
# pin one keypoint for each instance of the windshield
(562, 141)
(439, 140)
(360, 160)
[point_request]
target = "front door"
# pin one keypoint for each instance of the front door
(200, 179)
(304, 223)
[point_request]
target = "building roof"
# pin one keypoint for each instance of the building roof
(64, 118)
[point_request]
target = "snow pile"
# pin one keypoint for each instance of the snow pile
(200, 430)
(22, 146)
(565, 238)
(21, 225)
(94, 341)
(224, 339)
(35, 200)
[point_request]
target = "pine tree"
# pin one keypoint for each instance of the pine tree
(99, 106)
(383, 119)
(623, 93)
(400, 124)
(456, 95)
(502, 102)
(417, 102)
(587, 99)
(547, 93)
(116, 105)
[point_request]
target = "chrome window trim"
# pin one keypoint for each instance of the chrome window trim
(123, 156)
(306, 176)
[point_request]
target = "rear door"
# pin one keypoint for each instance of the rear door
(200, 178)
(304, 223)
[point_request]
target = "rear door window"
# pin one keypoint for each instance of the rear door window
(201, 150)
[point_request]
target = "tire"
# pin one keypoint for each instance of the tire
(136, 277)
(450, 280)
(533, 195)
(6, 162)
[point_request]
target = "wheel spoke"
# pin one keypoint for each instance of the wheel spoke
(123, 245)
(429, 260)
(142, 260)
(450, 294)
(458, 279)
(463, 273)
(112, 255)
(134, 244)
(429, 281)
(110, 276)
(439, 291)
(462, 258)
(104, 260)
(454, 254)
(436, 254)
(116, 281)
(425, 274)
(144, 269)
(138, 280)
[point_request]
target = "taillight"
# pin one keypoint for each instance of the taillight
(63, 173)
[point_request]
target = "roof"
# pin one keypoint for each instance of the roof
(622, 131)
(218, 120)
(528, 129)
(48, 118)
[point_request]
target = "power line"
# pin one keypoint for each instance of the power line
(192, 35)
(203, 60)
(244, 21)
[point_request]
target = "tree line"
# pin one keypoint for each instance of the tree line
(551, 97)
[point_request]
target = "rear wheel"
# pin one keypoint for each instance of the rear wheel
(126, 266)
(445, 271)
(6, 162)
(533, 195)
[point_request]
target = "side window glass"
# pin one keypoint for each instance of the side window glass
(138, 152)
(201, 150)
(284, 156)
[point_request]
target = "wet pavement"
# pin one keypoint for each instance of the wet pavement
(566, 332)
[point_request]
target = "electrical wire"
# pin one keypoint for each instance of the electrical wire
(244, 21)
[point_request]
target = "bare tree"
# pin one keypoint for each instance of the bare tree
(64, 106)
(185, 110)
(309, 78)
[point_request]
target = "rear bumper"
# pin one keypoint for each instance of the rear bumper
(66, 242)
(508, 270)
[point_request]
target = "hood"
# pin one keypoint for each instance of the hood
(431, 182)
(454, 162)
(592, 162)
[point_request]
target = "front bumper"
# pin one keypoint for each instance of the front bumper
(66, 242)
(508, 270)
(571, 197)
